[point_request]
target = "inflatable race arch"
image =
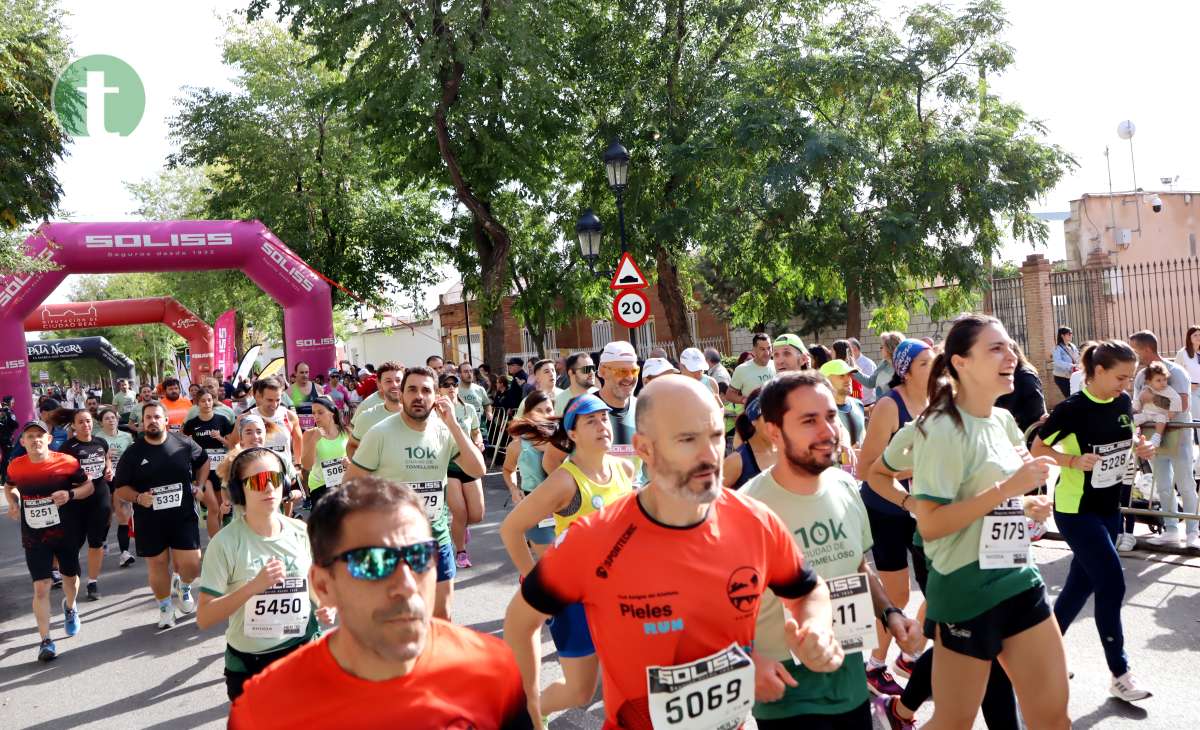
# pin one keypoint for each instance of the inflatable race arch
(80, 348)
(107, 248)
(119, 312)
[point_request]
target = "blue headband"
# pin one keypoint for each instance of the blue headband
(904, 355)
(581, 406)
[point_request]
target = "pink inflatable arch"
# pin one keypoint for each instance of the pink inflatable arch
(105, 248)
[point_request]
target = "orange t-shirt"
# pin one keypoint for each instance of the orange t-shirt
(660, 596)
(463, 679)
(176, 412)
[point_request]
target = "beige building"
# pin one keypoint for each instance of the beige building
(1126, 227)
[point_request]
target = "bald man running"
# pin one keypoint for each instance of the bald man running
(671, 579)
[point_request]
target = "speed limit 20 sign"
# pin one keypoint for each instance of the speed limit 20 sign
(630, 308)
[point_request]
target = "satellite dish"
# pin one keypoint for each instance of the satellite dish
(1126, 129)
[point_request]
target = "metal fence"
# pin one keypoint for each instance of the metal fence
(1162, 296)
(1008, 306)
(1073, 296)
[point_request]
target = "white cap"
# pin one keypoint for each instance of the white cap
(618, 351)
(692, 360)
(656, 366)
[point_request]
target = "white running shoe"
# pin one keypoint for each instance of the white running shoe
(187, 603)
(1193, 542)
(1126, 688)
(166, 616)
(1168, 538)
(1126, 542)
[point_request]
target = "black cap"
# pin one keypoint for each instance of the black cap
(515, 361)
(48, 405)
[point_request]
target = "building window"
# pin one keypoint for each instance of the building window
(601, 333)
(649, 330)
(476, 350)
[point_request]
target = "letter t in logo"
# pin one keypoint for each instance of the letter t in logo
(95, 91)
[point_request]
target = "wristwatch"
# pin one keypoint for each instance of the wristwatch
(887, 612)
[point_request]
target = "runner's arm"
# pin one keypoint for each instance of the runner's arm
(733, 469)
(308, 454)
(884, 421)
(552, 458)
(509, 471)
(1066, 461)
(522, 632)
(469, 458)
(84, 490)
(297, 447)
(903, 629)
(550, 496)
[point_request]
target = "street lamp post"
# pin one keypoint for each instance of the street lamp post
(589, 229)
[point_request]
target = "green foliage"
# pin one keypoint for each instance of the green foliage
(885, 161)
(283, 148)
(33, 49)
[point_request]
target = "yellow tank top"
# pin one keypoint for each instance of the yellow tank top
(589, 496)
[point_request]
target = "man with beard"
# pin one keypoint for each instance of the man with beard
(175, 404)
(302, 393)
(161, 474)
(789, 354)
(581, 374)
(124, 400)
(389, 663)
(412, 448)
(753, 373)
(619, 376)
(472, 392)
(268, 404)
(212, 385)
(387, 404)
(671, 578)
(823, 511)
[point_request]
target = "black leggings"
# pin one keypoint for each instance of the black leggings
(254, 663)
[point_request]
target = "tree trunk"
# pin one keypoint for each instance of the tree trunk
(853, 310)
(674, 306)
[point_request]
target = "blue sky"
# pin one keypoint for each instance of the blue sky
(1081, 67)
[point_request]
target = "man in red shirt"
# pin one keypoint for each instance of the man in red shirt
(671, 577)
(43, 492)
(390, 663)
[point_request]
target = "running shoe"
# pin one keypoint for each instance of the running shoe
(187, 603)
(462, 559)
(93, 591)
(1168, 538)
(1037, 530)
(904, 666)
(126, 559)
(56, 579)
(1193, 542)
(1126, 542)
(881, 682)
(47, 650)
(70, 619)
(885, 709)
(1126, 688)
(166, 615)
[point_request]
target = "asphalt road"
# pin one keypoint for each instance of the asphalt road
(121, 672)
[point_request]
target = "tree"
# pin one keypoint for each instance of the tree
(471, 99)
(33, 48)
(885, 163)
(283, 149)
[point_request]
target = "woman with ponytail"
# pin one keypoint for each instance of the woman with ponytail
(984, 600)
(586, 482)
(1094, 433)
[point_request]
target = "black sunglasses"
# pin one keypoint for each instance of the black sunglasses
(377, 563)
(585, 369)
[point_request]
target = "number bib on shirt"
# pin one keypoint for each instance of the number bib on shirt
(853, 613)
(625, 451)
(334, 471)
(279, 612)
(215, 457)
(713, 693)
(93, 467)
(41, 513)
(431, 494)
(167, 496)
(1113, 463)
(307, 421)
(548, 522)
(1004, 540)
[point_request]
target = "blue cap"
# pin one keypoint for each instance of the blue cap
(581, 406)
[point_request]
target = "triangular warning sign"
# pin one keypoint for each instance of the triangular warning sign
(628, 275)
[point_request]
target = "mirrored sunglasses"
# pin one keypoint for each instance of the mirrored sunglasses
(263, 481)
(377, 563)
